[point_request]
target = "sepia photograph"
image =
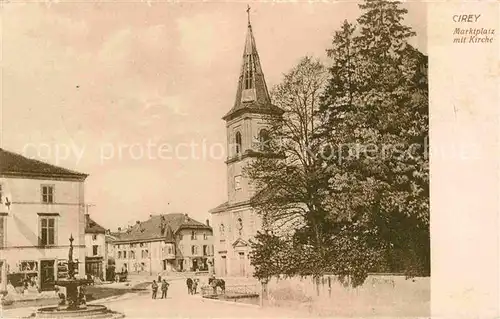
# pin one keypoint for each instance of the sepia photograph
(215, 160)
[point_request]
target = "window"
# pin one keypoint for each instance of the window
(47, 231)
(119, 255)
(239, 225)
(205, 236)
(194, 250)
(47, 194)
(124, 255)
(1, 194)
(170, 249)
(193, 235)
(145, 254)
(237, 182)
(94, 237)
(3, 227)
(132, 245)
(221, 230)
(95, 250)
(141, 245)
(132, 255)
(205, 250)
(237, 139)
(264, 140)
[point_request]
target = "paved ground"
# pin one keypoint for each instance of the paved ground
(177, 305)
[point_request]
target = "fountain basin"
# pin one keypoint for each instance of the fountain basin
(72, 282)
(89, 311)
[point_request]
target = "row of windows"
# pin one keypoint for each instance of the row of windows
(239, 227)
(264, 141)
(195, 250)
(193, 236)
(46, 191)
(131, 254)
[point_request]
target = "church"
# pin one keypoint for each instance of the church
(234, 221)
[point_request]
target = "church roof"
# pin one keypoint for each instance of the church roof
(252, 95)
(13, 164)
(159, 227)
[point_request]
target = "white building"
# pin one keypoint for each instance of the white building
(41, 206)
(234, 221)
(96, 257)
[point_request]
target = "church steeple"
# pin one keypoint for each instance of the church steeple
(252, 94)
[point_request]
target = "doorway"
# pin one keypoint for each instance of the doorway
(242, 264)
(47, 280)
(195, 264)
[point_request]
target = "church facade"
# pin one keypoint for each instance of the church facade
(234, 221)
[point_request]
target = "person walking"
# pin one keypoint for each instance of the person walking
(194, 286)
(154, 287)
(164, 289)
(189, 283)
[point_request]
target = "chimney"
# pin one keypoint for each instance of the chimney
(138, 222)
(208, 222)
(108, 231)
(119, 229)
(186, 218)
(87, 220)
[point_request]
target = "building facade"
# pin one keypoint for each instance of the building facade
(247, 126)
(170, 242)
(41, 206)
(96, 258)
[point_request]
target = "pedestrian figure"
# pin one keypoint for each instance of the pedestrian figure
(164, 289)
(154, 287)
(189, 283)
(195, 286)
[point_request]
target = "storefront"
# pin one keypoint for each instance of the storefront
(94, 267)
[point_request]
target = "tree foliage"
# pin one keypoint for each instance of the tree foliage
(350, 195)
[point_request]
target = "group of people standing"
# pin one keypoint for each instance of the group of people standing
(192, 285)
(164, 288)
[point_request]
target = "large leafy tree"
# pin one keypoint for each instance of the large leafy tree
(293, 186)
(375, 112)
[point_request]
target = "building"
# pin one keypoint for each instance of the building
(41, 206)
(96, 258)
(234, 221)
(170, 242)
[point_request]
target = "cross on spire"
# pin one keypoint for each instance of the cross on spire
(248, 14)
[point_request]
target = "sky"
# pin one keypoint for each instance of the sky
(133, 93)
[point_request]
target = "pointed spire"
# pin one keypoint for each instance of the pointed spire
(248, 14)
(252, 93)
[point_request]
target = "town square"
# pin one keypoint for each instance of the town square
(213, 160)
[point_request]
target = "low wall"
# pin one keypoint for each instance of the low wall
(380, 295)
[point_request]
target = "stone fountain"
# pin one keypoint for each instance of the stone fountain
(73, 304)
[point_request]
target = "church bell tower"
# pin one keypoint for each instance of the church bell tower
(247, 121)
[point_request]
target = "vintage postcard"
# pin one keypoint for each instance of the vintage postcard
(261, 159)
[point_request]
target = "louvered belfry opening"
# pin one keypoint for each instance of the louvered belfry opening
(249, 72)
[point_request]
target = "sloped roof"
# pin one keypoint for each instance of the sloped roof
(94, 228)
(13, 164)
(151, 229)
(252, 70)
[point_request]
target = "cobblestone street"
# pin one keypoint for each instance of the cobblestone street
(177, 305)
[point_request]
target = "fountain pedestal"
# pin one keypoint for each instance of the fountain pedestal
(73, 304)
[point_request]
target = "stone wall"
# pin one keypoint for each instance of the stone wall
(380, 295)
